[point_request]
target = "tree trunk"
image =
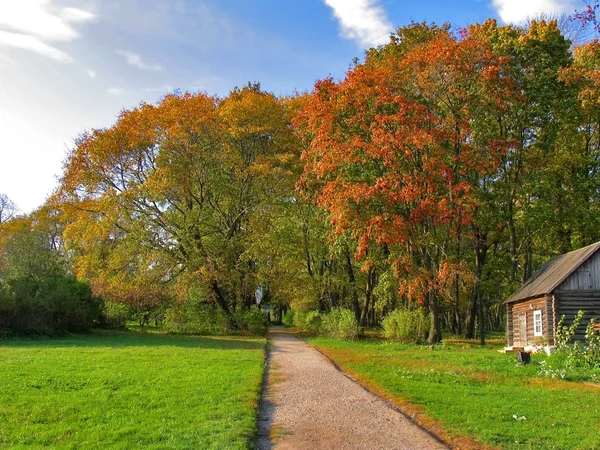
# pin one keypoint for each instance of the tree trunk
(222, 301)
(481, 248)
(371, 281)
(435, 331)
(352, 279)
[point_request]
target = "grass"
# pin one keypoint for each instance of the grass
(461, 390)
(130, 390)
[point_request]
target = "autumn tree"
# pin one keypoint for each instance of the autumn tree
(391, 147)
(159, 203)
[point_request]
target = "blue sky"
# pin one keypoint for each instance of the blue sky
(71, 65)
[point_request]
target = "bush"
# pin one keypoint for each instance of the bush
(313, 322)
(578, 354)
(288, 318)
(340, 323)
(299, 319)
(47, 306)
(251, 321)
(406, 325)
(114, 315)
(195, 317)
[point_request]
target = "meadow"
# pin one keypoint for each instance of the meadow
(476, 397)
(130, 390)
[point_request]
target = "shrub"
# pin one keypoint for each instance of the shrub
(406, 325)
(564, 333)
(340, 323)
(196, 317)
(578, 354)
(47, 306)
(312, 322)
(251, 321)
(299, 319)
(114, 315)
(288, 318)
(592, 351)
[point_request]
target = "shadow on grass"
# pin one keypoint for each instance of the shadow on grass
(120, 339)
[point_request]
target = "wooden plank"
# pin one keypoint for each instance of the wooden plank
(585, 278)
(578, 294)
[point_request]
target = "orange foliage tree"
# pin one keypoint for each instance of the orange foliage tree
(159, 203)
(394, 148)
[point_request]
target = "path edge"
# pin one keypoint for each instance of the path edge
(387, 402)
(263, 441)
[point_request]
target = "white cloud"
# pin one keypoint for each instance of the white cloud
(362, 20)
(518, 11)
(135, 60)
(33, 24)
(90, 73)
(32, 43)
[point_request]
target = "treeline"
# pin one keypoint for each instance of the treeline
(440, 173)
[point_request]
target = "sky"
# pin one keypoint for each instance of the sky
(67, 66)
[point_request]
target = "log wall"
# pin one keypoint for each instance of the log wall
(569, 302)
(543, 304)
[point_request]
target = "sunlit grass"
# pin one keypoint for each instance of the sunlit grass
(130, 390)
(476, 392)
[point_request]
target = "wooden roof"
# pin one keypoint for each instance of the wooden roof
(553, 274)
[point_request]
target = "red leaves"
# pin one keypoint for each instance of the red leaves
(393, 148)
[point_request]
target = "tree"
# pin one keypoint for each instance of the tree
(37, 294)
(391, 147)
(8, 209)
(159, 203)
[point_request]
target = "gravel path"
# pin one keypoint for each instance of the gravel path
(309, 404)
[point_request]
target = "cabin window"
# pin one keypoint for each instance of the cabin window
(537, 323)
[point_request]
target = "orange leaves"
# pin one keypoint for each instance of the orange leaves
(393, 150)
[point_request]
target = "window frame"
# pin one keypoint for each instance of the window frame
(538, 320)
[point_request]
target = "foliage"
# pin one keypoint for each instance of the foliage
(250, 322)
(160, 204)
(470, 392)
(340, 323)
(577, 354)
(564, 333)
(298, 319)
(406, 325)
(288, 318)
(47, 306)
(37, 294)
(438, 171)
(8, 208)
(401, 114)
(196, 317)
(313, 322)
(130, 390)
(592, 350)
(309, 321)
(114, 315)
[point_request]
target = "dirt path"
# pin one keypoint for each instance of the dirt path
(309, 404)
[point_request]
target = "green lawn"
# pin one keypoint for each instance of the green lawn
(476, 392)
(130, 390)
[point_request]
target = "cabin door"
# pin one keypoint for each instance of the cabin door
(522, 329)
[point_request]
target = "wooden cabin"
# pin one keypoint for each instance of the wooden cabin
(565, 285)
